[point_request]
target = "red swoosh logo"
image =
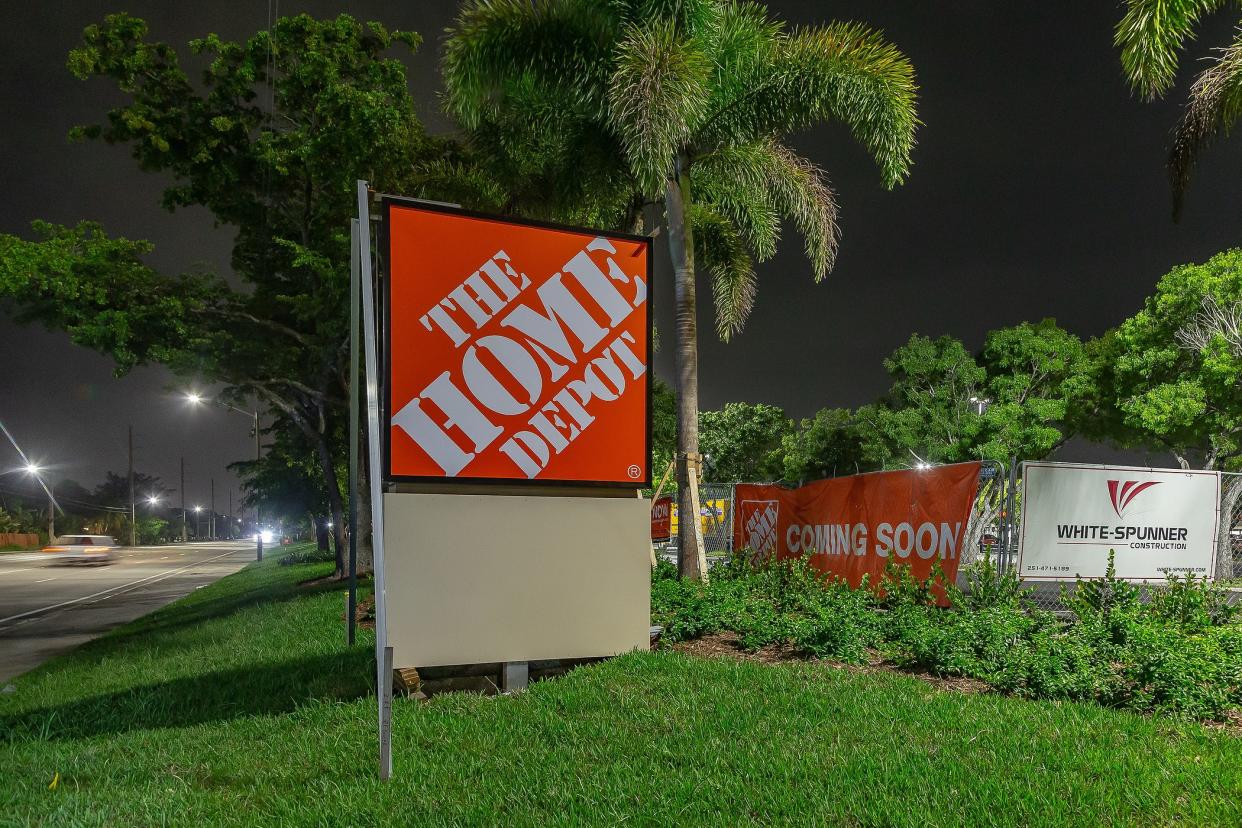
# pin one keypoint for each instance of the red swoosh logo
(1123, 494)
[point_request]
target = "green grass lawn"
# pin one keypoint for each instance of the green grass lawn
(240, 705)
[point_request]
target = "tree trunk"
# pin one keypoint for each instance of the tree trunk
(1232, 491)
(335, 506)
(681, 251)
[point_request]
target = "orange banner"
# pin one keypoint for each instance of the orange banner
(516, 350)
(662, 519)
(853, 526)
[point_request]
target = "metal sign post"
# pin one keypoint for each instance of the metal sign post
(383, 655)
(355, 262)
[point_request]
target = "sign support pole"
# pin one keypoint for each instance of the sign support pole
(383, 654)
(355, 258)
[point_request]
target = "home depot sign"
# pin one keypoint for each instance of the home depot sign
(517, 351)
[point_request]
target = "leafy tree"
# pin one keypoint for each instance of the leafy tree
(744, 441)
(1036, 374)
(1170, 377)
(1151, 36)
(683, 105)
(946, 406)
(929, 414)
(663, 430)
(270, 138)
(825, 445)
(114, 491)
(285, 483)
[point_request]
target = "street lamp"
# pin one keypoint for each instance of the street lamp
(194, 398)
(153, 500)
(34, 469)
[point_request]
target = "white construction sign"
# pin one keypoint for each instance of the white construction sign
(1156, 521)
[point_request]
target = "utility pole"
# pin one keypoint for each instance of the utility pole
(231, 521)
(133, 508)
(51, 515)
(211, 520)
(183, 532)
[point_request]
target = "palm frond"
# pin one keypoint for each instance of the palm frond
(461, 183)
(1214, 107)
(802, 193)
(842, 71)
(791, 186)
(563, 45)
(720, 250)
(734, 186)
(1150, 35)
(658, 92)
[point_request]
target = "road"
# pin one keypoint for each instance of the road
(46, 608)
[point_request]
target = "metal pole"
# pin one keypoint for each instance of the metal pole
(133, 508)
(211, 518)
(51, 515)
(231, 527)
(354, 310)
(374, 435)
(258, 526)
(183, 531)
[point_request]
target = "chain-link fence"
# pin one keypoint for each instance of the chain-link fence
(716, 518)
(992, 530)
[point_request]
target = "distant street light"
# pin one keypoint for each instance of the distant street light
(153, 500)
(194, 398)
(33, 469)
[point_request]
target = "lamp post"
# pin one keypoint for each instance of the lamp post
(195, 398)
(33, 469)
(198, 522)
(153, 501)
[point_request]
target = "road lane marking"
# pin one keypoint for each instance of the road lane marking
(45, 580)
(116, 589)
(23, 569)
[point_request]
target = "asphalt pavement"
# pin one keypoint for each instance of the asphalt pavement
(48, 607)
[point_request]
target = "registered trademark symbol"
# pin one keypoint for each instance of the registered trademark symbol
(634, 471)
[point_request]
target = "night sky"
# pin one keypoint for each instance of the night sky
(1037, 190)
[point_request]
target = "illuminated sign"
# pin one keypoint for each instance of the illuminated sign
(516, 351)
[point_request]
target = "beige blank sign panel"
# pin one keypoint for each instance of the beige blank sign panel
(483, 578)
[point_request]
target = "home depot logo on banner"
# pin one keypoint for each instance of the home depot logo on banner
(516, 350)
(853, 526)
(662, 519)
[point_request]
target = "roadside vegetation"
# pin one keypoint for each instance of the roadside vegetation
(241, 704)
(1176, 650)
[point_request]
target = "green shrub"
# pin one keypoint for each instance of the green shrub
(1192, 604)
(1166, 670)
(302, 556)
(1179, 654)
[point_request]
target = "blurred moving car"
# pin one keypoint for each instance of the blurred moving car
(98, 549)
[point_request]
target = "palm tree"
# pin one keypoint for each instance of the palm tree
(609, 107)
(1150, 36)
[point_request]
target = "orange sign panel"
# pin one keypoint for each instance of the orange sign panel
(516, 351)
(853, 526)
